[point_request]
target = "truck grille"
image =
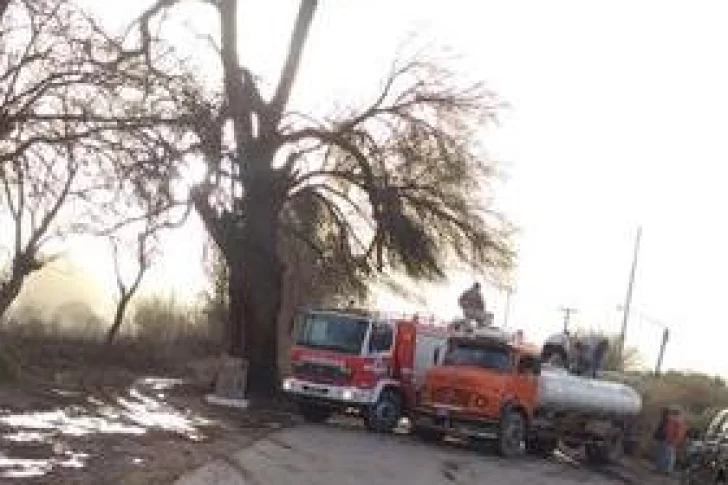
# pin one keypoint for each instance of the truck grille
(318, 372)
(451, 396)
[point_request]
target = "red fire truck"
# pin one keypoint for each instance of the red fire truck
(360, 363)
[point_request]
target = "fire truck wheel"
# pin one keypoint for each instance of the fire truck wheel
(512, 434)
(314, 413)
(384, 415)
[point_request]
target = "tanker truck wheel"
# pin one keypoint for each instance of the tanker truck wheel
(610, 451)
(512, 434)
(384, 415)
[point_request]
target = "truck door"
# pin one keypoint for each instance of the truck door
(526, 381)
(404, 352)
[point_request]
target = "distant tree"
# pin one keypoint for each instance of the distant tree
(138, 240)
(143, 251)
(395, 184)
(70, 122)
(629, 360)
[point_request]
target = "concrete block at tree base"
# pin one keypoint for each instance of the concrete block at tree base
(227, 402)
(231, 378)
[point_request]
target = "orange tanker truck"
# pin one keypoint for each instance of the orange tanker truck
(491, 386)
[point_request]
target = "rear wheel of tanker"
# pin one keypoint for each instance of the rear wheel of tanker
(314, 413)
(614, 449)
(594, 454)
(384, 415)
(512, 434)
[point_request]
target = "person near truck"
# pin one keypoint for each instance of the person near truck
(473, 305)
(669, 434)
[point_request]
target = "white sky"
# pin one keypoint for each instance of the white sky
(618, 118)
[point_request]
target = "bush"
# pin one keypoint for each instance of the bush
(161, 335)
(698, 395)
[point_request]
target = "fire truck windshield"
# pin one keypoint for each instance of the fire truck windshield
(474, 355)
(339, 333)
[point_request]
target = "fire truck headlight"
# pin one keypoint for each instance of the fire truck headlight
(287, 384)
(347, 394)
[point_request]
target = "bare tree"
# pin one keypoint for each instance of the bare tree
(33, 194)
(144, 248)
(127, 290)
(397, 184)
(75, 120)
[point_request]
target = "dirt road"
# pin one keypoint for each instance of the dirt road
(336, 454)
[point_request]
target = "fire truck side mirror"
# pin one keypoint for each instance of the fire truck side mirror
(436, 355)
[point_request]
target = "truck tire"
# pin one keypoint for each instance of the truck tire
(595, 454)
(607, 452)
(429, 435)
(512, 434)
(314, 413)
(384, 415)
(542, 447)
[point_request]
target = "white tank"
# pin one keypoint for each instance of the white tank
(561, 391)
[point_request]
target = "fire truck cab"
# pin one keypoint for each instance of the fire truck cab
(361, 363)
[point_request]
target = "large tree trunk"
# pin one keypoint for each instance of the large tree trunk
(235, 330)
(261, 285)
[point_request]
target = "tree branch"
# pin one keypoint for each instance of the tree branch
(293, 60)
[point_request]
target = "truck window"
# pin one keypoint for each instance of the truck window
(339, 333)
(381, 338)
(494, 358)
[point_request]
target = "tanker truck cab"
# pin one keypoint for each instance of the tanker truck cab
(352, 362)
(485, 389)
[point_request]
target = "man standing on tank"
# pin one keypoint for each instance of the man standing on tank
(473, 305)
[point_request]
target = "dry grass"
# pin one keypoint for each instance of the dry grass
(161, 335)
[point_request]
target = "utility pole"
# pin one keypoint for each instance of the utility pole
(665, 336)
(630, 287)
(567, 316)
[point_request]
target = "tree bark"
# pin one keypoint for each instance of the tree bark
(261, 286)
(9, 291)
(118, 318)
(236, 315)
